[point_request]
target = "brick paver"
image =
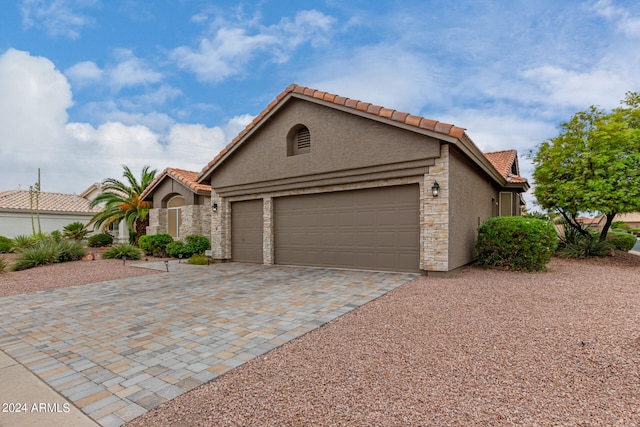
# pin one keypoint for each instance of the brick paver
(118, 349)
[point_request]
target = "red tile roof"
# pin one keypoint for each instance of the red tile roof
(185, 177)
(19, 200)
(375, 110)
(503, 162)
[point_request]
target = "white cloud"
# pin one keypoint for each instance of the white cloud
(36, 133)
(131, 71)
(84, 73)
(57, 17)
(229, 51)
(626, 23)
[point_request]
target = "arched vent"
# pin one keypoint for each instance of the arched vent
(298, 141)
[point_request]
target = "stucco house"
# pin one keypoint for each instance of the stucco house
(182, 206)
(317, 179)
(56, 210)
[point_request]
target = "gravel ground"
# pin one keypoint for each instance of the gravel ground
(67, 274)
(480, 348)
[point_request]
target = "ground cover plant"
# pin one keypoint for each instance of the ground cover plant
(124, 250)
(3, 264)
(6, 245)
(515, 243)
(48, 251)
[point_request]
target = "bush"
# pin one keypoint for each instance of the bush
(23, 241)
(3, 264)
(43, 253)
(56, 235)
(515, 243)
(6, 245)
(198, 259)
(194, 244)
(119, 251)
(75, 230)
(620, 225)
(573, 244)
(70, 250)
(635, 231)
(100, 240)
(155, 244)
(622, 241)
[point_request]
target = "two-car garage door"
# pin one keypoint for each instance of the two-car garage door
(375, 229)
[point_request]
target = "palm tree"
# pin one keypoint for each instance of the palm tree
(121, 201)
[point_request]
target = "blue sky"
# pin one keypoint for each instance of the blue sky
(89, 85)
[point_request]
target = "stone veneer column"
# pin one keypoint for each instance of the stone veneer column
(220, 227)
(157, 221)
(268, 254)
(434, 216)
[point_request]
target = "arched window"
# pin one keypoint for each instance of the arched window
(298, 140)
(174, 215)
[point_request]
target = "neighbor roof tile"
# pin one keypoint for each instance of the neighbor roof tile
(47, 202)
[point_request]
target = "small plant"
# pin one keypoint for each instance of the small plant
(6, 245)
(56, 235)
(100, 240)
(3, 264)
(155, 244)
(43, 253)
(119, 251)
(75, 230)
(198, 259)
(515, 243)
(573, 244)
(193, 244)
(22, 241)
(176, 248)
(622, 241)
(620, 225)
(70, 250)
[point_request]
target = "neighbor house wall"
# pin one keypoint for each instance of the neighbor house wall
(14, 223)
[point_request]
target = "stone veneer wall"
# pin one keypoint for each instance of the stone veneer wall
(434, 216)
(196, 219)
(220, 227)
(157, 221)
(268, 247)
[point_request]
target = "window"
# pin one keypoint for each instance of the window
(174, 216)
(298, 141)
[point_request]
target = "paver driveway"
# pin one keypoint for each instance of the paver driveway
(117, 349)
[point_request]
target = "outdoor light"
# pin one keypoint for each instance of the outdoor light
(180, 258)
(124, 259)
(435, 189)
(214, 207)
(166, 264)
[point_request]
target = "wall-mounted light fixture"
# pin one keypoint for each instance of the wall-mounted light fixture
(435, 189)
(214, 207)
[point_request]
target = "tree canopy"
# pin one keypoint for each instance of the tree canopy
(593, 165)
(122, 202)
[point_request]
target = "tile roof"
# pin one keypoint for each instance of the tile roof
(187, 178)
(503, 162)
(19, 200)
(374, 110)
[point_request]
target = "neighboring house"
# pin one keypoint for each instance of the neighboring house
(633, 219)
(120, 232)
(322, 180)
(56, 210)
(181, 206)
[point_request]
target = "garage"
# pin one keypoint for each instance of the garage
(246, 231)
(374, 229)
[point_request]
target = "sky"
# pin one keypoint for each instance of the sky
(87, 86)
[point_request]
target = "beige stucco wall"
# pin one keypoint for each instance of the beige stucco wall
(341, 144)
(169, 188)
(472, 201)
(17, 223)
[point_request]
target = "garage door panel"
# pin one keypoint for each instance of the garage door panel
(246, 231)
(371, 229)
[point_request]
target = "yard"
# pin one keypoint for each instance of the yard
(560, 347)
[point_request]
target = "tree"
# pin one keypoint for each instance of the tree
(593, 165)
(122, 202)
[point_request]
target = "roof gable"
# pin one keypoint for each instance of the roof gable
(506, 163)
(20, 200)
(185, 177)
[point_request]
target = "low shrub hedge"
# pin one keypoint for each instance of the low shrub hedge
(516, 243)
(622, 241)
(193, 244)
(155, 244)
(100, 240)
(6, 245)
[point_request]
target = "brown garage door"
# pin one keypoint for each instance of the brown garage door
(246, 231)
(375, 229)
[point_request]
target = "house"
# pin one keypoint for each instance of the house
(317, 179)
(182, 206)
(19, 216)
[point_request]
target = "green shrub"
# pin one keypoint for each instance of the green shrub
(75, 230)
(3, 264)
(622, 241)
(155, 244)
(635, 231)
(6, 245)
(56, 235)
(100, 240)
(23, 241)
(43, 253)
(176, 248)
(620, 225)
(198, 259)
(515, 243)
(119, 251)
(573, 244)
(70, 250)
